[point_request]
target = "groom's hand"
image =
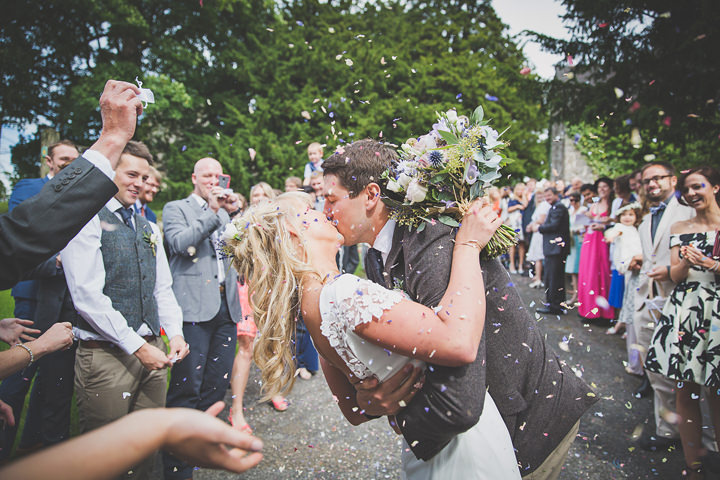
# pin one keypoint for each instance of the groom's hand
(392, 395)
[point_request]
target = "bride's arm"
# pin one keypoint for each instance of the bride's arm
(449, 334)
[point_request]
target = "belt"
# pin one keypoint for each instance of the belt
(105, 344)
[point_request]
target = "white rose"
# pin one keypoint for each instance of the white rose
(230, 231)
(452, 116)
(403, 180)
(426, 142)
(415, 192)
(394, 186)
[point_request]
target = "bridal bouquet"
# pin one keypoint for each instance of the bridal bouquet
(439, 174)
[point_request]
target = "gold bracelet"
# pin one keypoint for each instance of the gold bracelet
(471, 243)
(32, 357)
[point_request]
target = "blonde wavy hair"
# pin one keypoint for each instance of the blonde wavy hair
(263, 252)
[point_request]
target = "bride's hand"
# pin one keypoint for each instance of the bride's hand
(478, 225)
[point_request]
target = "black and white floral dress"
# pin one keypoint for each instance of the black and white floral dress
(686, 342)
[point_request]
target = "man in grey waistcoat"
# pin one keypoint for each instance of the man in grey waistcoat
(119, 280)
(207, 290)
(540, 398)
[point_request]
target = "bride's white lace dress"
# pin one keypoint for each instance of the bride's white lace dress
(483, 452)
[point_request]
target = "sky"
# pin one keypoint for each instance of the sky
(542, 16)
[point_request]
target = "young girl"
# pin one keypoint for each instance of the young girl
(626, 239)
(686, 342)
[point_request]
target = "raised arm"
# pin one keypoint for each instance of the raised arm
(450, 333)
(181, 234)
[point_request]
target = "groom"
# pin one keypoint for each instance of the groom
(540, 399)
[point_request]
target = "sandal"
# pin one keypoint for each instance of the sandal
(280, 403)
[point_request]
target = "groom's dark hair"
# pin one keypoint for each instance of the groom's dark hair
(359, 164)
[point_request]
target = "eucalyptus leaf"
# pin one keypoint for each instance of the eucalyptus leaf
(449, 137)
(477, 115)
(421, 227)
(449, 221)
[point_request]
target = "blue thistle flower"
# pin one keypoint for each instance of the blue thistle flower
(436, 158)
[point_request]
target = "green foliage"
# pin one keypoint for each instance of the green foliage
(646, 65)
(235, 75)
(614, 155)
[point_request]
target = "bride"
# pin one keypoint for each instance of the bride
(287, 251)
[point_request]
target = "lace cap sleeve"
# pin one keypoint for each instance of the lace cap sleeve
(358, 300)
(346, 303)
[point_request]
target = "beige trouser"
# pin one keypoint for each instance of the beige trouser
(109, 384)
(551, 467)
(663, 387)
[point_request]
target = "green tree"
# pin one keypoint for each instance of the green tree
(234, 75)
(645, 65)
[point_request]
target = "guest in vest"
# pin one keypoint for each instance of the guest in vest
(206, 288)
(14, 388)
(120, 282)
(150, 189)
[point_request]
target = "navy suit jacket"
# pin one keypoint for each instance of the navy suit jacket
(149, 214)
(556, 230)
(24, 189)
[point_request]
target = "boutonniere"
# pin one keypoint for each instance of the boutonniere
(152, 239)
(398, 284)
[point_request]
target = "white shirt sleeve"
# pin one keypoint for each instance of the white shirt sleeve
(100, 161)
(85, 275)
(169, 312)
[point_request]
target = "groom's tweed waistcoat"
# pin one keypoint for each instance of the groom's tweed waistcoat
(540, 398)
(129, 271)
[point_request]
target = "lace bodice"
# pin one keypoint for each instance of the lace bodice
(350, 301)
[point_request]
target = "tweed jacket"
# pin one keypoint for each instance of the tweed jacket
(539, 397)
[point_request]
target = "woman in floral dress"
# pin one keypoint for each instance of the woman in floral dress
(686, 343)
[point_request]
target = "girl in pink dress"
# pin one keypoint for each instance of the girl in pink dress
(594, 272)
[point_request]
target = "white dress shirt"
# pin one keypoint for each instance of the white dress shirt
(85, 275)
(100, 162)
(214, 238)
(383, 241)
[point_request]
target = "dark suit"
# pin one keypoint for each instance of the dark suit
(14, 388)
(539, 398)
(556, 247)
(42, 225)
(48, 420)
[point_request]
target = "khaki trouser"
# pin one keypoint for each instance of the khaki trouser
(109, 384)
(551, 467)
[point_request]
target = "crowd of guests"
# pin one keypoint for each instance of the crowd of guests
(121, 284)
(640, 253)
